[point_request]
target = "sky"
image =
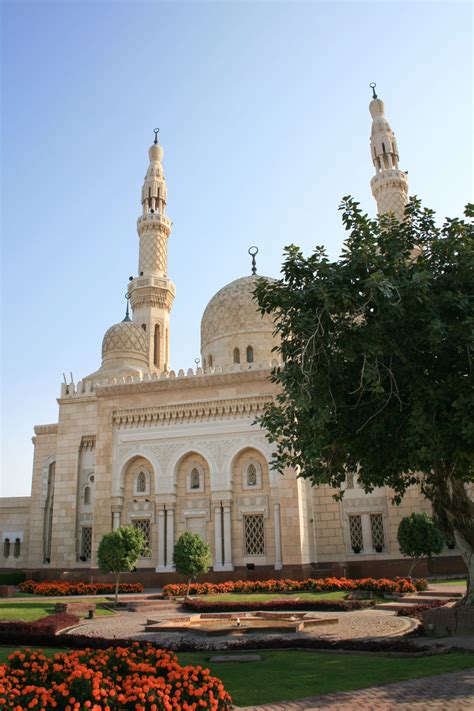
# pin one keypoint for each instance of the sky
(263, 116)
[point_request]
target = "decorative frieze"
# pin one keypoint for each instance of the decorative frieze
(191, 411)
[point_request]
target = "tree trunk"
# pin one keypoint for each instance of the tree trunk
(189, 585)
(452, 501)
(116, 589)
(414, 562)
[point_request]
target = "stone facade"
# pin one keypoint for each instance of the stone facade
(136, 443)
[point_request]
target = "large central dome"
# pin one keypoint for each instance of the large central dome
(232, 328)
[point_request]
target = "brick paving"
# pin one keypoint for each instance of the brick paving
(445, 692)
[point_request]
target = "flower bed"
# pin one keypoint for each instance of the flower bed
(381, 585)
(12, 630)
(58, 588)
(274, 605)
(139, 677)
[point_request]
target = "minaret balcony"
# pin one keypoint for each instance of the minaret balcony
(154, 218)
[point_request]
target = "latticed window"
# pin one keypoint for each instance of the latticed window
(86, 543)
(376, 527)
(141, 483)
(17, 548)
(251, 475)
(355, 529)
(195, 481)
(6, 547)
(254, 535)
(143, 525)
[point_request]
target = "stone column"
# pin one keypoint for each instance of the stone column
(115, 520)
(227, 539)
(161, 541)
(169, 538)
(278, 556)
(219, 553)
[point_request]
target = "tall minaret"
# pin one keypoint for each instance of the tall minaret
(389, 184)
(152, 292)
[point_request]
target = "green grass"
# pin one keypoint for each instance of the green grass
(288, 675)
(49, 651)
(268, 597)
(448, 582)
(29, 611)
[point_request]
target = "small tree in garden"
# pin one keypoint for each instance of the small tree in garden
(419, 537)
(119, 552)
(192, 556)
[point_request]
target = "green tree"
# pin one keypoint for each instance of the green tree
(192, 556)
(119, 552)
(418, 537)
(376, 351)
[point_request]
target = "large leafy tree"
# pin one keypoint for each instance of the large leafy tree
(377, 351)
(418, 537)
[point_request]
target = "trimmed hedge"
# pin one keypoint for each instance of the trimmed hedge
(59, 588)
(416, 610)
(275, 605)
(18, 631)
(13, 578)
(380, 585)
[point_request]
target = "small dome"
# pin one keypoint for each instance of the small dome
(232, 321)
(122, 340)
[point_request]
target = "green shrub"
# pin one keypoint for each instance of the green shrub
(13, 578)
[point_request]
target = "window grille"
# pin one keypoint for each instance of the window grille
(254, 535)
(195, 479)
(251, 475)
(141, 483)
(355, 529)
(143, 525)
(376, 526)
(86, 543)
(17, 548)
(6, 547)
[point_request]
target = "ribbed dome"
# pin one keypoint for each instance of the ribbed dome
(232, 320)
(123, 338)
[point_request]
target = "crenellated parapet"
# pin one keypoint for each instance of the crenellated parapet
(99, 387)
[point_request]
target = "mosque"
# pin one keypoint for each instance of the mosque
(139, 444)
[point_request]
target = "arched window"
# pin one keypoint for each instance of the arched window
(249, 354)
(17, 548)
(210, 361)
(195, 480)
(251, 475)
(87, 495)
(236, 355)
(6, 547)
(141, 483)
(144, 326)
(156, 346)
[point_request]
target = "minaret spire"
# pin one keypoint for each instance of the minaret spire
(389, 184)
(152, 292)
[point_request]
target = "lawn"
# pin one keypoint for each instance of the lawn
(29, 611)
(268, 597)
(448, 582)
(312, 673)
(288, 675)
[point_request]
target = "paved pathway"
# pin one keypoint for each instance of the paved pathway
(445, 692)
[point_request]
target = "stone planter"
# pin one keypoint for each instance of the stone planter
(448, 621)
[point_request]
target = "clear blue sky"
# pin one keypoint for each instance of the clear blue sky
(263, 111)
